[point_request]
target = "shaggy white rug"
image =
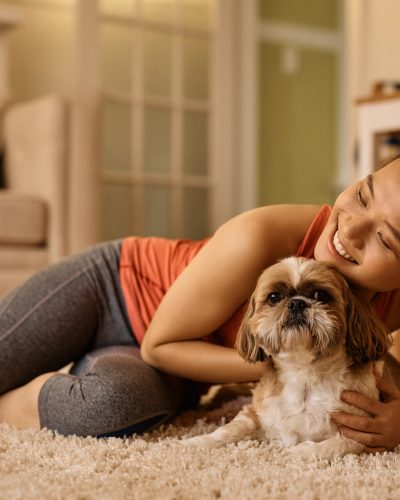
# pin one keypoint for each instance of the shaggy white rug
(154, 466)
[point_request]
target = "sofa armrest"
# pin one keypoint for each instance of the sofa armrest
(22, 219)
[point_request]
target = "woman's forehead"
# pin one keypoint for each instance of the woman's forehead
(386, 187)
(386, 181)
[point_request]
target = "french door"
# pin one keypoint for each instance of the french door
(158, 107)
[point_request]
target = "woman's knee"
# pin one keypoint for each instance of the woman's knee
(114, 394)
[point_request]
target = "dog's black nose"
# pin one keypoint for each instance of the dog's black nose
(297, 305)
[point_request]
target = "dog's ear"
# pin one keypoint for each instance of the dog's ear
(367, 337)
(246, 342)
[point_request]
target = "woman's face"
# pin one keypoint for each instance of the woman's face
(362, 236)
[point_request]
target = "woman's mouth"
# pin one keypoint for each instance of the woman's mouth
(341, 250)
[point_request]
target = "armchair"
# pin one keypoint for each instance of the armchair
(33, 206)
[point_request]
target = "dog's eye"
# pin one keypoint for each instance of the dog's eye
(322, 296)
(273, 298)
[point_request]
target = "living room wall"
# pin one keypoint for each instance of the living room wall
(42, 49)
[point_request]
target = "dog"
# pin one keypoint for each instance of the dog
(317, 338)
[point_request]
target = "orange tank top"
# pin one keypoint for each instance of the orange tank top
(149, 266)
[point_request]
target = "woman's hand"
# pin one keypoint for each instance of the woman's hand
(380, 431)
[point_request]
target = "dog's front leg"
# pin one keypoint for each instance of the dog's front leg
(335, 446)
(244, 425)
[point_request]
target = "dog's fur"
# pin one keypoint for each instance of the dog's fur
(317, 339)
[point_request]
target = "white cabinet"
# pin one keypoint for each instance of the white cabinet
(378, 130)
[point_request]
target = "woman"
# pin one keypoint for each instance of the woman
(97, 308)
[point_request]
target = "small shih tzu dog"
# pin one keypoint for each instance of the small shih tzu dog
(317, 339)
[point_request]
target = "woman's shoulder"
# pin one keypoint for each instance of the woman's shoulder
(276, 228)
(282, 214)
(289, 220)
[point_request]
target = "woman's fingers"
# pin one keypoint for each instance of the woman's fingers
(356, 422)
(370, 440)
(388, 390)
(363, 402)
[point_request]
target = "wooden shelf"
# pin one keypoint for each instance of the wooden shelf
(377, 98)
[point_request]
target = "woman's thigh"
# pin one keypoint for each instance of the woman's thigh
(61, 313)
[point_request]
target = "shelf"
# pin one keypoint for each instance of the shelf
(378, 129)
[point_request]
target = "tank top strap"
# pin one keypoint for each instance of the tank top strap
(307, 246)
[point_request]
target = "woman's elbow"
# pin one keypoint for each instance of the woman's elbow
(148, 354)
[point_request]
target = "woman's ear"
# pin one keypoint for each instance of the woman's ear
(367, 338)
(246, 342)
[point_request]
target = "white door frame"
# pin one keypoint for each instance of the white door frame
(235, 66)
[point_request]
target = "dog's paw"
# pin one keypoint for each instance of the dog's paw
(329, 449)
(202, 441)
(193, 441)
(307, 449)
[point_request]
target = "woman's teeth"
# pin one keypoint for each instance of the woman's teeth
(340, 249)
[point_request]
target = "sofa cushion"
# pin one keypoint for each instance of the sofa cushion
(22, 219)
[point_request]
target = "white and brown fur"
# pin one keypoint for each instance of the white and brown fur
(325, 343)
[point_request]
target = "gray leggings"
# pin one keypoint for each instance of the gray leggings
(74, 311)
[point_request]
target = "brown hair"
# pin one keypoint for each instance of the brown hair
(386, 161)
(367, 337)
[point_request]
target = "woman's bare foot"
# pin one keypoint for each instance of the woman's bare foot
(19, 407)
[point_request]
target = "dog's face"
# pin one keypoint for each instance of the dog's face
(303, 305)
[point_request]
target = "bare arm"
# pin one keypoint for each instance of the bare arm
(218, 280)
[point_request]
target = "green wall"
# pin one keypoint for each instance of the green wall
(297, 114)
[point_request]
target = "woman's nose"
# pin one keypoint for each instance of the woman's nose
(356, 230)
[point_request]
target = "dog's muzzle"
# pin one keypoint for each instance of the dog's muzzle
(296, 312)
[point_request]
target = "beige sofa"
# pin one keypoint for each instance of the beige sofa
(33, 207)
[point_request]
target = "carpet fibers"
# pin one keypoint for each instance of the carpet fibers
(40, 465)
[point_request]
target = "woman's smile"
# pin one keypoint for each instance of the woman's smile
(341, 250)
(337, 250)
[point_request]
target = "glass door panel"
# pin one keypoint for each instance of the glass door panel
(117, 208)
(157, 63)
(115, 57)
(196, 213)
(195, 143)
(156, 211)
(196, 68)
(115, 136)
(157, 140)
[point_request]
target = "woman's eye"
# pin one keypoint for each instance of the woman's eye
(361, 198)
(322, 296)
(273, 298)
(383, 241)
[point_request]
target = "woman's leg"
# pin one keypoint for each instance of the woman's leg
(19, 407)
(61, 313)
(111, 392)
(57, 317)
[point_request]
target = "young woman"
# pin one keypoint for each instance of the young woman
(149, 322)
